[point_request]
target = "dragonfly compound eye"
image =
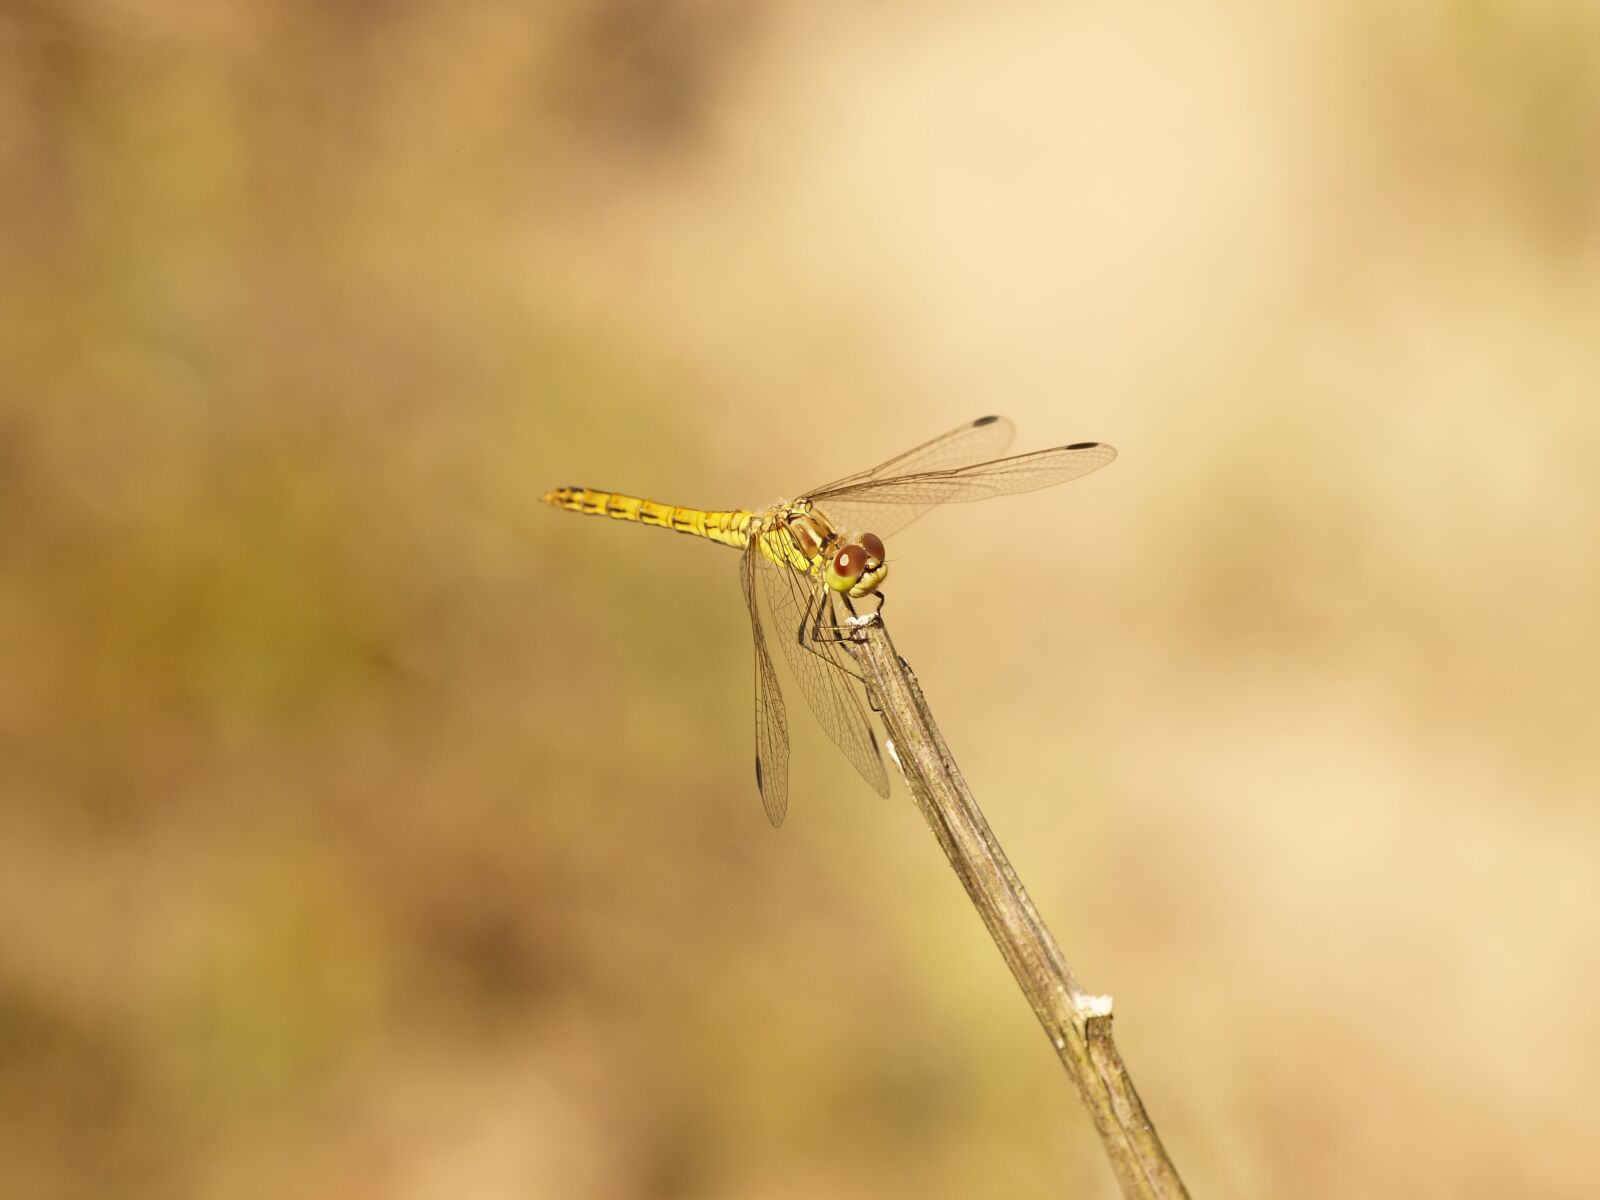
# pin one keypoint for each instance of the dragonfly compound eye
(846, 567)
(873, 545)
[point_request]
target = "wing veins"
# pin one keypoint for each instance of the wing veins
(824, 681)
(771, 718)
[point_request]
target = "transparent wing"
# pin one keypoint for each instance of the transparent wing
(772, 723)
(820, 667)
(887, 505)
(975, 442)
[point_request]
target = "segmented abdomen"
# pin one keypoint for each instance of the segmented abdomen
(730, 527)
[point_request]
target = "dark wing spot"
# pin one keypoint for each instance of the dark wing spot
(1083, 445)
(984, 421)
(758, 773)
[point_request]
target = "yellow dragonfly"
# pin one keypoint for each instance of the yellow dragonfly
(812, 556)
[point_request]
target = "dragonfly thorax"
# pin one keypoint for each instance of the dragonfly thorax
(853, 564)
(810, 531)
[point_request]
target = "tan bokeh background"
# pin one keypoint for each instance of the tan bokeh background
(369, 830)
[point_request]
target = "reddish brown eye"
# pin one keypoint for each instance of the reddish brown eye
(873, 545)
(850, 562)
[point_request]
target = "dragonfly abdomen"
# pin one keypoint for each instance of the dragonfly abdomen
(729, 527)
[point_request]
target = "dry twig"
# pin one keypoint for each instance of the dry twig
(1079, 1024)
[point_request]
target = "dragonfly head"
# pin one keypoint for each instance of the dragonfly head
(858, 567)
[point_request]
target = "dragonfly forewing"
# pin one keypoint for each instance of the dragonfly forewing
(975, 442)
(888, 504)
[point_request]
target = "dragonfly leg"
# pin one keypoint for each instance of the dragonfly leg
(818, 632)
(855, 617)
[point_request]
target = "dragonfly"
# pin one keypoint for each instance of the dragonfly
(811, 558)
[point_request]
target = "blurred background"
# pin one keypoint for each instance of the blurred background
(369, 829)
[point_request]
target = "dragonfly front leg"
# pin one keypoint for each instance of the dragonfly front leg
(847, 632)
(813, 630)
